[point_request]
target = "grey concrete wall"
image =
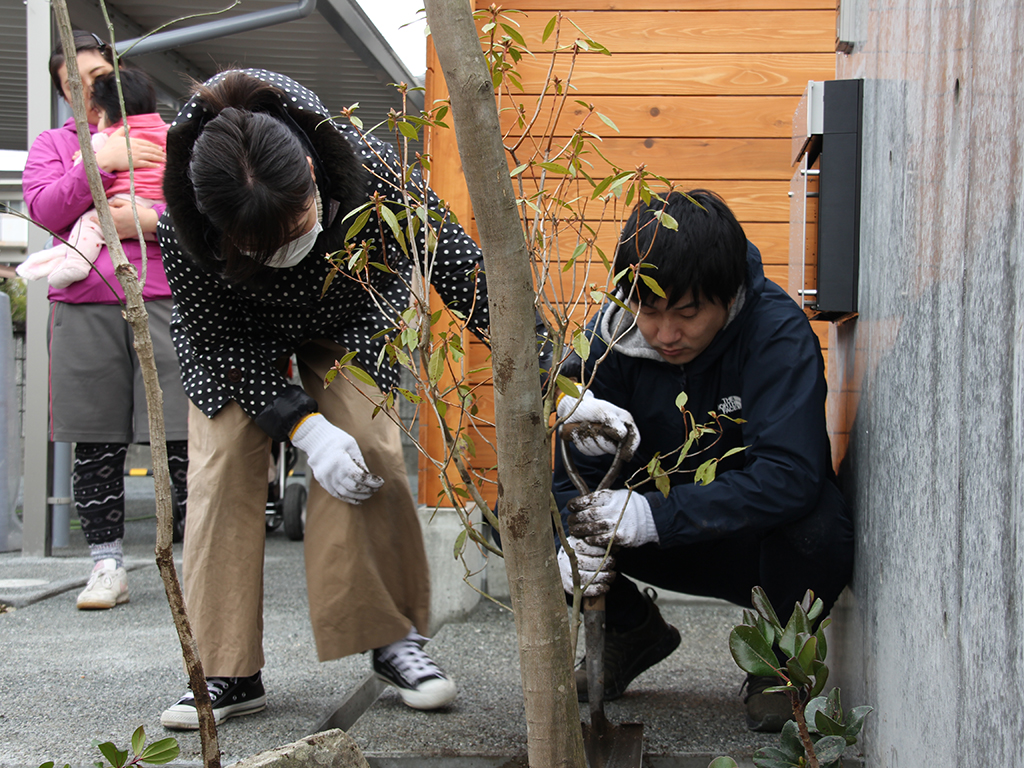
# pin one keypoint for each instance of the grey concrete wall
(931, 631)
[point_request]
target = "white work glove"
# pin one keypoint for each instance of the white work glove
(335, 460)
(596, 574)
(604, 516)
(596, 411)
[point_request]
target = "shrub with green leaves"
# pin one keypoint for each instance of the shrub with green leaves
(157, 753)
(820, 731)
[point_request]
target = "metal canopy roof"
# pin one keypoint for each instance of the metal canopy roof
(335, 51)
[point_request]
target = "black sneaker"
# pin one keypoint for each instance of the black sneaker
(627, 654)
(766, 712)
(420, 682)
(231, 697)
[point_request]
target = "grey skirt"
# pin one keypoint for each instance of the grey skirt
(96, 389)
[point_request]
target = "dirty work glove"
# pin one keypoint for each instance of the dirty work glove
(589, 562)
(605, 516)
(335, 459)
(596, 411)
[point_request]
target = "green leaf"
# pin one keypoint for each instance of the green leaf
(752, 652)
(855, 722)
(789, 740)
(114, 756)
(705, 474)
(361, 375)
(796, 625)
(820, 678)
(822, 641)
(356, 122)
(396, 228)
(723, 762)
(358, 224)
(609, 181)
(797, 674)
(608, 121)
(436, 366)
(816, 609)
(826, 725)
(807, 653)
(759, 599)
(555, 168)
(581, 344)
(330, 376)
(548, 29)
(834, 705)
(653, 285)
(829, 749)
(663, 484)
(567, 385)
(138, 740)
(814, 705)
(773, 757)
(460, 543)
(514, 34)
(681, 399)
(518, 169)
(160, 752)
(409, 131)
(666, 221)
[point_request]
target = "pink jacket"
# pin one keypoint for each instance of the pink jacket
(56, 193)
(149, 182)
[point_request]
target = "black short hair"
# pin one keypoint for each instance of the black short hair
(84, 41)
(705, 254)
(253, 182)
(138, 90)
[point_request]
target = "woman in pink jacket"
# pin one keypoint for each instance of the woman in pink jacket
(64, 264)
(97, 399)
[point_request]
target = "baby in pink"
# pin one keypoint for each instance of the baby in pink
(63, 264)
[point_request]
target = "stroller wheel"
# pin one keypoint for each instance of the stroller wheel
(294, 509)
(177, 519)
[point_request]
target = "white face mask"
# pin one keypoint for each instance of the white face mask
(291, 253)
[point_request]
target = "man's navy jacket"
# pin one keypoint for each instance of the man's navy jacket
(764, 367)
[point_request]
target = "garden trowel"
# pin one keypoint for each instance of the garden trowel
(607, 745)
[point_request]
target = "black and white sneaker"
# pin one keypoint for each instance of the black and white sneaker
(420, 682)
(231, 697)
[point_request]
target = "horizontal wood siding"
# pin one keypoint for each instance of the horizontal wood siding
(700, 91)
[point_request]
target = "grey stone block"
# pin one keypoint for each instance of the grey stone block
(329, 749)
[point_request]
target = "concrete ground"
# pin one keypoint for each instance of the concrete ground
(70, 678)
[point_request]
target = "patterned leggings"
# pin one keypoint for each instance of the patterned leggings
(99, 486)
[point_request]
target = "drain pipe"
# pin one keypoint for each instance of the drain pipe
(175, 38)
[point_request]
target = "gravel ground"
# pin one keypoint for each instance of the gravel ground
(70, 677)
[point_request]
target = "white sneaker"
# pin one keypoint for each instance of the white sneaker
(107, 587)
(420, 682)
(230, 696)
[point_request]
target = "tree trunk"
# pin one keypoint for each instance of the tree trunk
(524, 472)
(138, 319)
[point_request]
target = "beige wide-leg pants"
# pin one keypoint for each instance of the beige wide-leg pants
(366, 570)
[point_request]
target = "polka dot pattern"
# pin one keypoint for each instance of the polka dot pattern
(229, 336)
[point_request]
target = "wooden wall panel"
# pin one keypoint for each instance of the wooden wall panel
(681, 74)
(678, 116)
(692, 31)
(701, 91)
(641, 6)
